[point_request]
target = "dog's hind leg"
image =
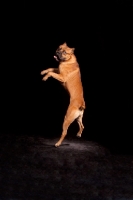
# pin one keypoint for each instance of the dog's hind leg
(71, 115)
(81, 126)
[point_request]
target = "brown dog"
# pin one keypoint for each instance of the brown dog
(68, 73)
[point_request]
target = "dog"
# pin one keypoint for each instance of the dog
(68, 73)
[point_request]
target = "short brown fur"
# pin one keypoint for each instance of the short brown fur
(68, 73)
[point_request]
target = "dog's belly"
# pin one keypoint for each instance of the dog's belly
(75, 90)
(74, 87)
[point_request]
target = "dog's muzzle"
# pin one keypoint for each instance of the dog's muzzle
(59, 55)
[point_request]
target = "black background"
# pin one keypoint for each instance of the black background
(101, 35)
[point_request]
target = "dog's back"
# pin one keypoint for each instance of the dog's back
(73, 83)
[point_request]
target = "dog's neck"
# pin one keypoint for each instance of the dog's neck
(71, 61)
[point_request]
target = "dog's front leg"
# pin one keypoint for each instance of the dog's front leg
(56, 70)
(58, 77)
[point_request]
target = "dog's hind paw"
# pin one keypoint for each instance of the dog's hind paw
(57, 144)
(79, 135)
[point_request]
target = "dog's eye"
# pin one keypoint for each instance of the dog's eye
(59, 49)
(64, 52)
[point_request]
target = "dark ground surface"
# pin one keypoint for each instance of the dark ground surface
(32, 168)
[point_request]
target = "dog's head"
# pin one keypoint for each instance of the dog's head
(64, 53)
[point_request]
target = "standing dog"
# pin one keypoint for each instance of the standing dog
(68, 73)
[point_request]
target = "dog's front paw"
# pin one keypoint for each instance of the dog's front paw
(46, 77)
(44, 72)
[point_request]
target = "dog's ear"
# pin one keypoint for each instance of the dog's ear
(65, 44)
(72, 50)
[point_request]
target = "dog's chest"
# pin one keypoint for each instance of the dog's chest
(63, 69)
(66, 70)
